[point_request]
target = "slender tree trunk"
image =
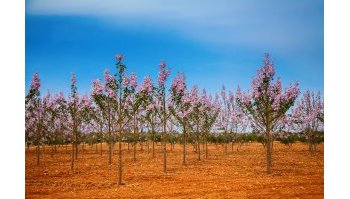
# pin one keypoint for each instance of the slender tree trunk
(199, 150)
(72, 161)
(153, 153)
(52, 150)
(134, 141)
(76, 151)
(206, 149)
(269, 151)
(184, 147)
(225, 148)
(120, 159)
(101, 148)
(134, 151)
(164, 141)
(37, 154)
(164, 131)
(110, 152)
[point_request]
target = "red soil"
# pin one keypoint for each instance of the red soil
(240, 174)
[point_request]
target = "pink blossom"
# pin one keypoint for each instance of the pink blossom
(59, 98)
(178, 85)
(35, 84)
(108, 78)
(239, 92)
(97, 88)
(86, 102)
(47, 100)
(265, 73)
(291, 92)
(109, 83)
(126, 81)
(276, 102)
(128, 102)
(133, 80)
(223, 93)
(119, 57)
(163, 73)
(147, 86)
(231, 97)
(150, 106)
(193, 95)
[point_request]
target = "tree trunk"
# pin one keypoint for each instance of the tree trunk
(164, 132)
(52, 150)
(134, 151)
(72, 161)
(37, 154)
(164, 156)
(101, 148)
(76, 151)
(153, 153)
(269, 152)
(110, 153)
(134, 140)
(184, 147)
(120, 160)
(225, 148)
(199, 150)
(206, 149)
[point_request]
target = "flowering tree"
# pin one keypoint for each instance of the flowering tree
(225, 117)
(106, 102)
(135, 99)
(196, 117)
(266, 104)
(308, 117)
(115, 103)
(239, 122)
(73, 110)
(162, 109)
(87, 116)
(60, 107)
(34, 113)
(211, 110)
(149, 112)
(50, 118)
(180, 107)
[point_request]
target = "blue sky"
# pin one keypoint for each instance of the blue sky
(212, 42)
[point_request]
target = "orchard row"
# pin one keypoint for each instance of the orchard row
(120, 110)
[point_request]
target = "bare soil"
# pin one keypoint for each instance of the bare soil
(240, 174)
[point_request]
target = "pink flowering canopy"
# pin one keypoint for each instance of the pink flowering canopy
(163, 74)
(147, 86)
(267, 103)
(308, 115)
